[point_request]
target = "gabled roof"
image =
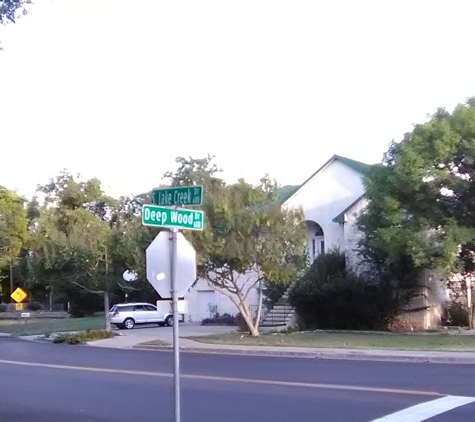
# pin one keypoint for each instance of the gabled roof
(285, 192)
(340, 218)
(358, 166)
(282, 194)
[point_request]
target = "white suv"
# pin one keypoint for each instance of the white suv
(127, 315)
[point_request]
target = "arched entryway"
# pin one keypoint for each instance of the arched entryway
(316, 240)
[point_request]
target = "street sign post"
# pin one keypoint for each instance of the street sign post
(153, 215)
(172, 245)
(180, 196)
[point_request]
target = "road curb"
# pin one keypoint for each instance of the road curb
(364, 355)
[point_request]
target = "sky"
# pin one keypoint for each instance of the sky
(118, 89)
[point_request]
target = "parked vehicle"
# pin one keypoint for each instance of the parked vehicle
(127, 315)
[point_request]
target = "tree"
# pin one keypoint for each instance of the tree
(12, 229)
(12, 225)
(421, 211)
(248, 237)
(9, 10)
(71, 239)
(129, 239)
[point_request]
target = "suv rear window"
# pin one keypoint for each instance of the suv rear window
(124, 308)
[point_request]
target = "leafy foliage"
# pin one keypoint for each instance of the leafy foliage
(80, 241)
(329, 296)
(247, 238)
(12, 226)
(421, 211)
(71, 239)
(217, 319)
(82, 337)
(9, 10)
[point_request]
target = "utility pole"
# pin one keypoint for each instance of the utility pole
(11, 280)
(176, 347)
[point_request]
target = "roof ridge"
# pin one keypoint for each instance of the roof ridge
(358, 166)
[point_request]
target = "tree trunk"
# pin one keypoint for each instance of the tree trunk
(106, 312)
(253, 328)
(106, 294)
(259, 306)
(11, 280)
(471, 309)
(50, 304)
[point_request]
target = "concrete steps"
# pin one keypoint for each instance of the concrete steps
(281, 314)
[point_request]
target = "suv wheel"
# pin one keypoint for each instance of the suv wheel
(129, 323)
(169, 321)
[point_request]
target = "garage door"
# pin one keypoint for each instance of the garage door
(205, 301)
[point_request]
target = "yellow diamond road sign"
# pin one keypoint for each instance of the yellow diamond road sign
(18, 295)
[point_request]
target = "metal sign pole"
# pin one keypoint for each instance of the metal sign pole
(176, 349)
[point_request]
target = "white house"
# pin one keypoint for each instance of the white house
(327, 198)
(331, 199)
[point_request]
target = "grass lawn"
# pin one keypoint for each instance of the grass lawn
(34, 326)
(331, 339)
(158, 343)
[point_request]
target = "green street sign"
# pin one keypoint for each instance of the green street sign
(183, 195)
(153, 215)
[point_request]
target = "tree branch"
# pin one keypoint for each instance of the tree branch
(99, 292)
(251, 287)
(224, 292)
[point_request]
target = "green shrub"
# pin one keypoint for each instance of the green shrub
(83, 303)
(225, 319)
(34, 306)
(330, 297)
(3, 308)
(456, 314)
(84, 336)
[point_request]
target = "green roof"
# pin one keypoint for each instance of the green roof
(285, 192)
(360, 167)
(340, 218)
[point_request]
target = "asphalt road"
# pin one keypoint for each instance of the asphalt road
(47, 382)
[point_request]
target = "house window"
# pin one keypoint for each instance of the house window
(314, 249)
(322, 246)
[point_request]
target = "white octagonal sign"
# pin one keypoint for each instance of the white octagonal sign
(158, 264)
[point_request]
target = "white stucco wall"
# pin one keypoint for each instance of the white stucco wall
(352, 234)
(325, 196)
(202, 294)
